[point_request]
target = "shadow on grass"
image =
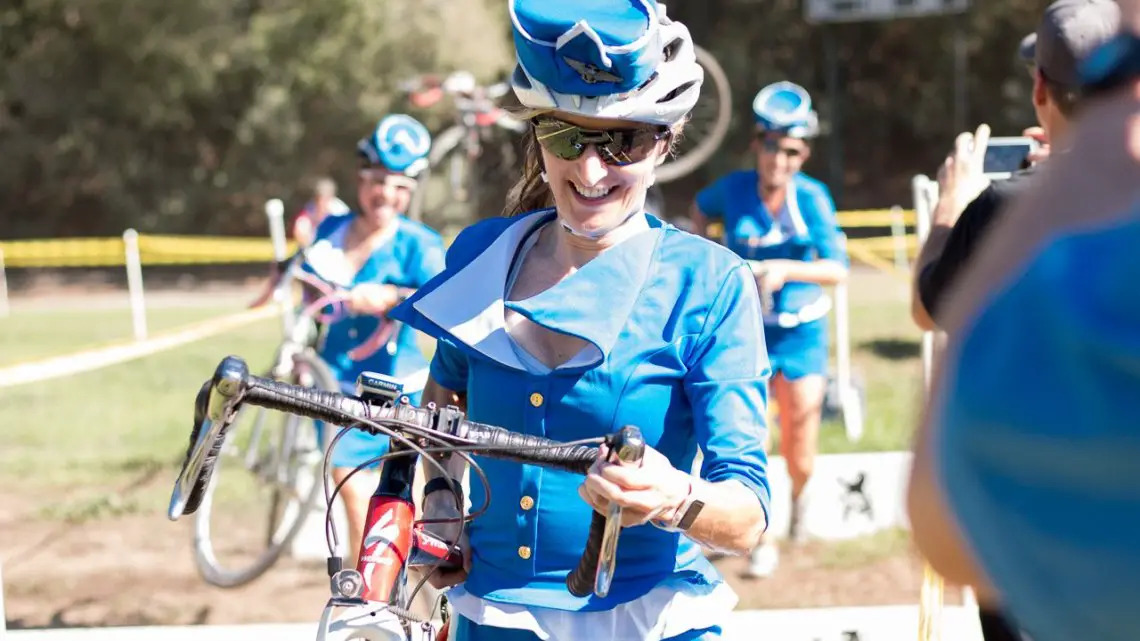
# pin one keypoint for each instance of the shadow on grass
(893, 349)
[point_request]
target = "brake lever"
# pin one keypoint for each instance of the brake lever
(627, 446)
(226, 390)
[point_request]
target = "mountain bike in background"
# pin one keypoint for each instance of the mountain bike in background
(475, 160)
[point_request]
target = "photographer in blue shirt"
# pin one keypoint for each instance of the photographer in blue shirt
(579, 313)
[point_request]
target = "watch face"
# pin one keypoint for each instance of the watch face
(691, 515)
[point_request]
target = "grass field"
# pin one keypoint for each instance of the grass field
(90, 433)
(38, 333)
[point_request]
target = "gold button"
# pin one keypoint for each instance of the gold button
(526, 502)
(524, 552)
(536, 399)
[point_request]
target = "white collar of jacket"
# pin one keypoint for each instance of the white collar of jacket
(465, 303)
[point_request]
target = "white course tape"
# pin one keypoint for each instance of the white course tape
(88, 360)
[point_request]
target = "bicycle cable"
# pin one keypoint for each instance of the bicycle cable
(395, 428)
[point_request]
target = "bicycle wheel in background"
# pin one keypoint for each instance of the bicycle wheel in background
(271, 464)
(707, 126)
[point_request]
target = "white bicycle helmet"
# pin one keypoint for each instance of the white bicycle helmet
(400, 143)
(785, 107)
(621, 59)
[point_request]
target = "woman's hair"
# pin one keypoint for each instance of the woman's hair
(531, 192)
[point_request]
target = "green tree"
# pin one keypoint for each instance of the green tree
(186, 117)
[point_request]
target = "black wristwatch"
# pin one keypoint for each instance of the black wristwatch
(685, 515)
(1111, 65)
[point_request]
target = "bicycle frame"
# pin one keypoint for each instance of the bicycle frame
(474, 104)
(391, 542)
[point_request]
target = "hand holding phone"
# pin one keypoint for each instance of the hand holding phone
(962, 176)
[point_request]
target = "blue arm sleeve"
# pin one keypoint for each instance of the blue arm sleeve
(823, 225)
(727, 387)
(710, 200)
(449, 367)
(1036, 445)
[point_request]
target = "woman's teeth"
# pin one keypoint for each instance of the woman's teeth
(592, 193)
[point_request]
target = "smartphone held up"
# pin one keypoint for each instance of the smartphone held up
(1005, 155)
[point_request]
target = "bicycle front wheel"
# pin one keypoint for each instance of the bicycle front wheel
(707, 126)
(272, 464)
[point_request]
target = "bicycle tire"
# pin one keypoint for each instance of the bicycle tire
(689, 160)
(205, 559)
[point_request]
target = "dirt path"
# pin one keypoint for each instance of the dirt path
(137, 570)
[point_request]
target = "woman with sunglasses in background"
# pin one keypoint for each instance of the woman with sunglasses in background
(784, 224)
(578, 313)
(380, 257)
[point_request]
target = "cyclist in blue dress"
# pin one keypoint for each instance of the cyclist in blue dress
(783, 222)
(380, 257)
(579, 313)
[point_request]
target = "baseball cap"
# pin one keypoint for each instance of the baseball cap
(1068, 31)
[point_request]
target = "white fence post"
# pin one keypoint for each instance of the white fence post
(849, 400)
(275, 212)
(5, 309)
(898, 233)
(135, 283)
(920, 187)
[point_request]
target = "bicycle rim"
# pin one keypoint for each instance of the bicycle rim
(708, 123)
(293, 457)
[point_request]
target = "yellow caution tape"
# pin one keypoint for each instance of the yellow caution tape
(201, 250)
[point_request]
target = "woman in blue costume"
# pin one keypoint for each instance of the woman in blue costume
(380, 257)
(783, 222)
(580, 313)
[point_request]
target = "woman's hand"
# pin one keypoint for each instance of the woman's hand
(372, 298)
(442, 506)
(445, 579)
(653, 490)
(771, 275)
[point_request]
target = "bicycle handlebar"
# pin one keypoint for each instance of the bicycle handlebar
(232, 385)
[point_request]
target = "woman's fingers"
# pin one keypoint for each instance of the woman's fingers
(625, 477)
(441, 580)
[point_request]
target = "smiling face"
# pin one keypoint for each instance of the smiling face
(383, 195)
(779, 158)
(598, 189)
